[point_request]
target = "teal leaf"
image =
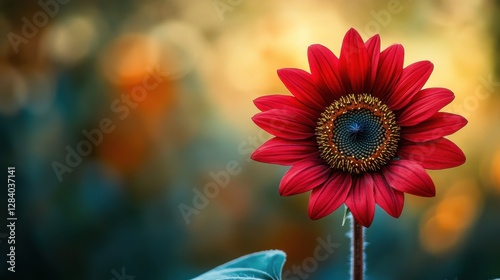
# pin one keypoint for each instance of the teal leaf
(265, 265)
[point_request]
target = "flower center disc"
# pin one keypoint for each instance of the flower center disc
(357, 133)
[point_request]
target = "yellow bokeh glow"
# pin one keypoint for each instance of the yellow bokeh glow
(445, 225)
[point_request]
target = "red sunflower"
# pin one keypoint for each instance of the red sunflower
(358, 129)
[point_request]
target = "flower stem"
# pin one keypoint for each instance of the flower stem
(357, 250)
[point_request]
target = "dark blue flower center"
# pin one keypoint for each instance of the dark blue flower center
(358, 133)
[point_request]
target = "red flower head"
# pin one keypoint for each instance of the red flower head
(359, 129)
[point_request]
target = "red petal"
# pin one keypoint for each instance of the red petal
(301, 85)
(389, 70)
(327, 198)
(409, 177)
(268, 102)
(437, 154)
(390, 199)
(285, 152)
(373, 48)
(361, 199)
(303, 177)
(325, 65)
(288, 124)
(437, 126)
(424, 105)
(355, 63)
(413, 78)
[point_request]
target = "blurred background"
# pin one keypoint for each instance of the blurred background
(129, 126)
